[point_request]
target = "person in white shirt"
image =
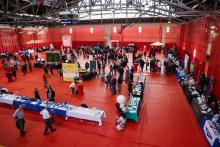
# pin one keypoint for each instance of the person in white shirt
(73, 87)
(47, 119)
(159, 64)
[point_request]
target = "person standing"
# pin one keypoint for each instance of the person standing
(18, 115)
(119, 83)
(142, 65)
(30, 66)
(99, 67)
(72, 87)
(14, 73)
(108, 80)
(147, 64)
(51, 70)
(159, 64)
(36, 94)
(45, 70)
(60, 72)
(130, 87)
(24, 68)
(45, 80)
(50, 93)
(127, 74)
(113, 85)
(47, 120)
(131, 76)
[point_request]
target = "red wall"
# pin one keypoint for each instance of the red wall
(214, 61)
(9, 40)
(194, 36)
(81, 35)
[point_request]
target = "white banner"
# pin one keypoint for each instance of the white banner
(209, 132)
(67, 41)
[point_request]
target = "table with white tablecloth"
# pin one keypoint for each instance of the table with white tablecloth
(7, 98)
(60, 109)
(86, 113)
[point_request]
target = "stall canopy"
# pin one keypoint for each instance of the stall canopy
(156, 44)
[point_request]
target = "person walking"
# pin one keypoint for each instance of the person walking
(36, 94)
(18, 115)
(45, 80)
(47, 120)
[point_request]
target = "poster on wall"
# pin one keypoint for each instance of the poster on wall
(70, 71)
(186, 60)
(67, 41)
(192, 67)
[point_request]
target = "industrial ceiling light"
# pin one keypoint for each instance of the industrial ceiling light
(168, 29)
(114, 29)
(91, 30)
(139, 29)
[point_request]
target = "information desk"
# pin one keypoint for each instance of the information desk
(64, 109)
(133, 108)
(211, 131)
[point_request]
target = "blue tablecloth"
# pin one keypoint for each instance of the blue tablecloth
(38, 105)
(54, 108)
(27, 103)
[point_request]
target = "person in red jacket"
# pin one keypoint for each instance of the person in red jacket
(45, 80)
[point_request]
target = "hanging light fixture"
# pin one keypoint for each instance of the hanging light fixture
(194, 53)
(168, 29)
(139, 29)
(114, 29)
(91, 30)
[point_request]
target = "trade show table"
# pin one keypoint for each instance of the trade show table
(211, 131)
(133, 108)
(64, 109)
(135, 101)
(201, 110)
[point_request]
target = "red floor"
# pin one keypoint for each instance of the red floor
(165, 119)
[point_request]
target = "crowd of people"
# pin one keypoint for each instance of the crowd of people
(114, 58)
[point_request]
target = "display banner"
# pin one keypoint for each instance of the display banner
(209, 133)
(67, 41)
(70, 71)
(186, 60)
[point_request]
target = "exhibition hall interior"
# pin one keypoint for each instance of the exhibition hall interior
(110, 73)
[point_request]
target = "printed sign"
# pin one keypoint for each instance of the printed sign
(70, 71)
